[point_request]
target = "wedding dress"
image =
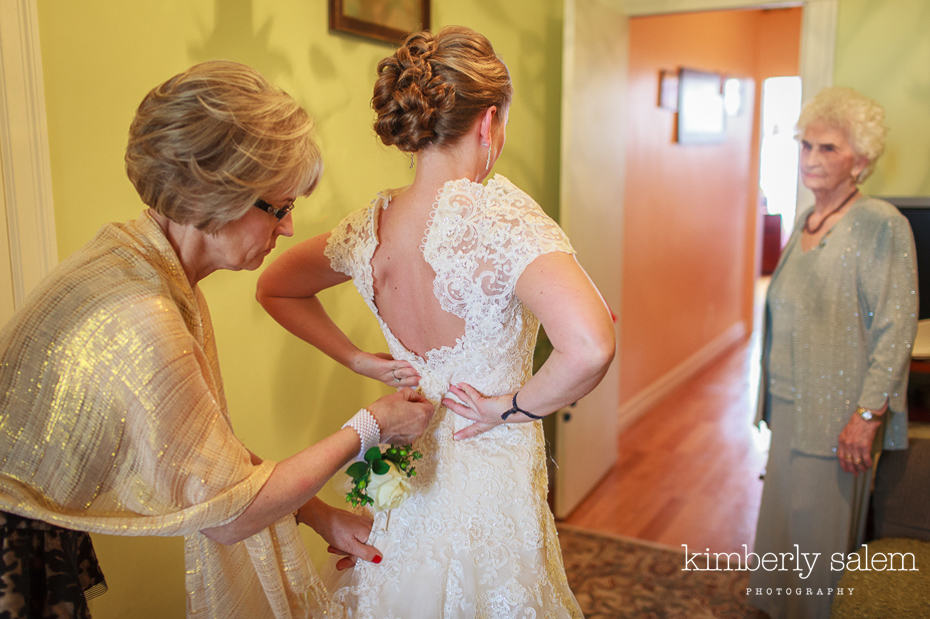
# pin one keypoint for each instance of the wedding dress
(475, 538)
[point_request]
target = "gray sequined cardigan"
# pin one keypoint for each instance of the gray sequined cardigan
(851, 345)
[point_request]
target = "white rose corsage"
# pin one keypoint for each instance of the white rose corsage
(378, 484)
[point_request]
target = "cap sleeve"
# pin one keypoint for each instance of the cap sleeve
(479, 241)
(347, 238)
(531, 233)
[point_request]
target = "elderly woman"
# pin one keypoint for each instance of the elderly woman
(111, 402)
(840, 320)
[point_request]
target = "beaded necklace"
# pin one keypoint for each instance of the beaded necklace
(810, 230)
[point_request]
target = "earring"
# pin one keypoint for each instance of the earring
(487, 166)
(411, 160)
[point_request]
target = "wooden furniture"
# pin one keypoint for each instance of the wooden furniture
(771, 243)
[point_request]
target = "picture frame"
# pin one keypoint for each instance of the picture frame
(389, 21)
(701, 111)
(668, 90)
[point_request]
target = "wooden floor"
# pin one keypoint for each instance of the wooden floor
(688, 470)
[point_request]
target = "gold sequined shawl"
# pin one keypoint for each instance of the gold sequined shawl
(113, 420)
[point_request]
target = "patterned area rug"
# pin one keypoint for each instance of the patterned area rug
(618, 577)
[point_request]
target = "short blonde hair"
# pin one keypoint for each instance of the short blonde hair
(861, 119)
(210, 141)
(433, 87)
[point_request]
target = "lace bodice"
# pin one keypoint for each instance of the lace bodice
(478, 241)
(475, 538)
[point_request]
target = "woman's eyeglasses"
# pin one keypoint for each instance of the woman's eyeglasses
(277, 212)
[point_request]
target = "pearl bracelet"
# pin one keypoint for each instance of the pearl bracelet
(368, 430)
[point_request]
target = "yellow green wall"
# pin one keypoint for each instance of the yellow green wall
(100, 57)
(883, 50)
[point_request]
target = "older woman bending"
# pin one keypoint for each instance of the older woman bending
(112, 415)
(841, 316)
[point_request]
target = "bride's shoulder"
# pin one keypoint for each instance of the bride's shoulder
(501, 186)
(500, 196)
(460, 192)
(362, 218)
(506, 200)
(358, 226)
(536, 230)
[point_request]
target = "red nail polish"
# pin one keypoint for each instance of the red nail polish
(377, 559)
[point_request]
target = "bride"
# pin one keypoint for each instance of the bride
(459, 276)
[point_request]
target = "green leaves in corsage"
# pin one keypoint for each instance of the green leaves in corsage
(376, 483)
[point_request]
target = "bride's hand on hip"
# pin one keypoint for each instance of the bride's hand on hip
(484, 411)
(383, 367)
(402, 416)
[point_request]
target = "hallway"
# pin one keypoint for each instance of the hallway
(688, 470)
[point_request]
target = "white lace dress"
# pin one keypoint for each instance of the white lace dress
(476, 537)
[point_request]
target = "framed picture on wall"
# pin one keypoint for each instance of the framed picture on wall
(384, 20)
(701, 113)
(668, 90)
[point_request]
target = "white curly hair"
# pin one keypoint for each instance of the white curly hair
(861, 119)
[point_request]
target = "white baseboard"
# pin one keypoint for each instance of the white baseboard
(633, 408)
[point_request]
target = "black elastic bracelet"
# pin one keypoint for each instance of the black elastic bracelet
(517, 409)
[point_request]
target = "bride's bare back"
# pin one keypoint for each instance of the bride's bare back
(403, 281)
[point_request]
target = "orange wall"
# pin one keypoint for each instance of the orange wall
(778, 42)
(690, 212)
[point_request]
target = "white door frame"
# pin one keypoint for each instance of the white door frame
(26, 169)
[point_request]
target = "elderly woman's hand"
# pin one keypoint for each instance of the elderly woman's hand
(383, 367)
(854, 448)
(402, 416)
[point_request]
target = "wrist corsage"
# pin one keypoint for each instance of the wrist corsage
(375, 482)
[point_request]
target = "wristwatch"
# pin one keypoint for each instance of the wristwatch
(867, 414)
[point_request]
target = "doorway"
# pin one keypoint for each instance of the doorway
(778, 151)
(595, 146)
(691, 216)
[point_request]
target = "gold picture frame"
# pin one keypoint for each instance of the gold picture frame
(383, 20)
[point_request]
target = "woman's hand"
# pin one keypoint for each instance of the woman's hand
(345, 532)
(484, 411)
(402, 416)
(854, 448)
(383, 367)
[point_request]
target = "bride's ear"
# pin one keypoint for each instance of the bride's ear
(486, 124)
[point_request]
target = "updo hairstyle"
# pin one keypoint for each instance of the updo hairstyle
(861, 119)
(431, 90)
(209, 142)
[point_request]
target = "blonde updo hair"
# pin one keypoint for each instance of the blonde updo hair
(861, 119)
(431, 90)
(210, 141)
